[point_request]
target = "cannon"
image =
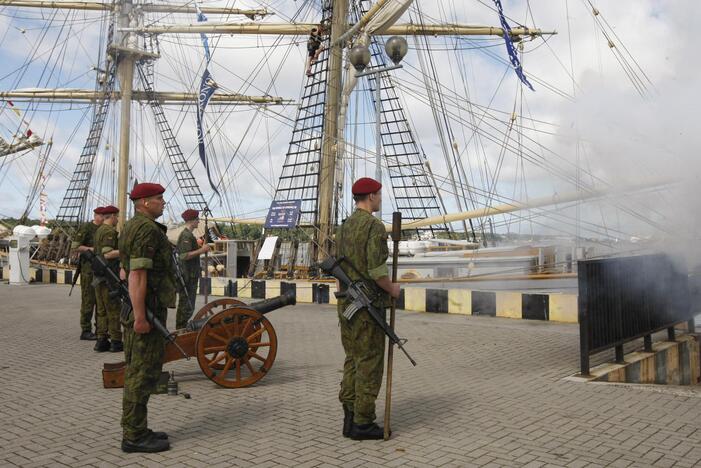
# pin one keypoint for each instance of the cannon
(234, 343)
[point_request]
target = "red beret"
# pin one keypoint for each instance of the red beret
(98, 210)
(146, 190)
(110, 209)
(189, 215)
(365, 185)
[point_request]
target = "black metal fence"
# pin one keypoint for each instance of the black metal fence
(623, 299)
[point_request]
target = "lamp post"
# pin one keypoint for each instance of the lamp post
(396, 48)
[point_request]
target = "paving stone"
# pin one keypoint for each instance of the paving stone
(486, 392)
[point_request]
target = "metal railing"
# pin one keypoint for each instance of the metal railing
(624, 299)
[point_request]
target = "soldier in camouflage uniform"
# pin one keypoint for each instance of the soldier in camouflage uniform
(362, 240)
(189, 255)
(146, 256)
(106, 246)
(83, 242)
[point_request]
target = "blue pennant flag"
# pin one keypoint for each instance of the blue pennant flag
(513, 55)
(207, 88)
(201, 18)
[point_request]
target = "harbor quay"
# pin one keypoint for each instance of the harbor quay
(486, 392)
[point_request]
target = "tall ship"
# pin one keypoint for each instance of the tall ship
(261, 116)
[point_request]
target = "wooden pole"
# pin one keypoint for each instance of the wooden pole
(164, 97)
(154, 7)
(206, 254)
(125, 69)
(396, 236)
(328, 143)
(302, 29)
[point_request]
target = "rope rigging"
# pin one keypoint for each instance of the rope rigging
(478, 133)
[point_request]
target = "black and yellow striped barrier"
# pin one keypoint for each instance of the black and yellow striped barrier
(557, 307)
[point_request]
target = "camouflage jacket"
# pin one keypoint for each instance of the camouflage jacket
(187, 243)
(362, 239)
(85, 236)
(106, 240)
(143, 245)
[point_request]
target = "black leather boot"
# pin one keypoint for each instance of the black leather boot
(347, 421)
(116, 346)
(147, 444)
(88, 336)
(158, 435)
(367, 432)
(102, 345)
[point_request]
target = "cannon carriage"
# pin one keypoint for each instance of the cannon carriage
(234, 343)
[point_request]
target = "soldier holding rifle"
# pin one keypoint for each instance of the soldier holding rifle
(146, 256)
(362, 240)
(106, 247)
(84, 242)
(189, 256)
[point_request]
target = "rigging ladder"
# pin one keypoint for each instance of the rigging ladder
(414, 194)
(299, 179)
(72, 209)
(186, 181)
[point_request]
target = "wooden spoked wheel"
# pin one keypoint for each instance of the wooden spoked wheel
(213, 307)
(236, 347)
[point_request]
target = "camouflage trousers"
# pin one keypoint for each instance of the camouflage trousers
(87, 300)
(107, 314)
(364, 343)
(185, 306)
(143, 354)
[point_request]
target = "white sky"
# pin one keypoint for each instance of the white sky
(606, 128)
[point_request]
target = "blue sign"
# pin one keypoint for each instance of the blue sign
(283, 214)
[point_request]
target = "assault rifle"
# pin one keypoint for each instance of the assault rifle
(179, 276)
(119, 289)
(358, 295)
(75, 276)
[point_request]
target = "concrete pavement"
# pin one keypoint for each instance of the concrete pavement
(486, 392)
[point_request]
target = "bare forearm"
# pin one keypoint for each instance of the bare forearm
(137, 293)
(385, 284)
(84, 248)
(112, 254)
(197, 252)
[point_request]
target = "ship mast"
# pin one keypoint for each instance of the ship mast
(126, 53)
(329, 143)
(127, 56)
(339, 27)
(125, 72)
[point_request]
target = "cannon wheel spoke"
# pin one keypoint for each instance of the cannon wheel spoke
(211, 308)
(250, 332)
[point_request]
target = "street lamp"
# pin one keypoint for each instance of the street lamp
(396, 48)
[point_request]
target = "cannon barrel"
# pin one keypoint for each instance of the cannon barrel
(268, 305)
(262, 307)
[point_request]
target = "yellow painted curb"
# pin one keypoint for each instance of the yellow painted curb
(460, 301)
(509, 304)
(563, 308)
(415, 299)
(243, 287)
(272, 288)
